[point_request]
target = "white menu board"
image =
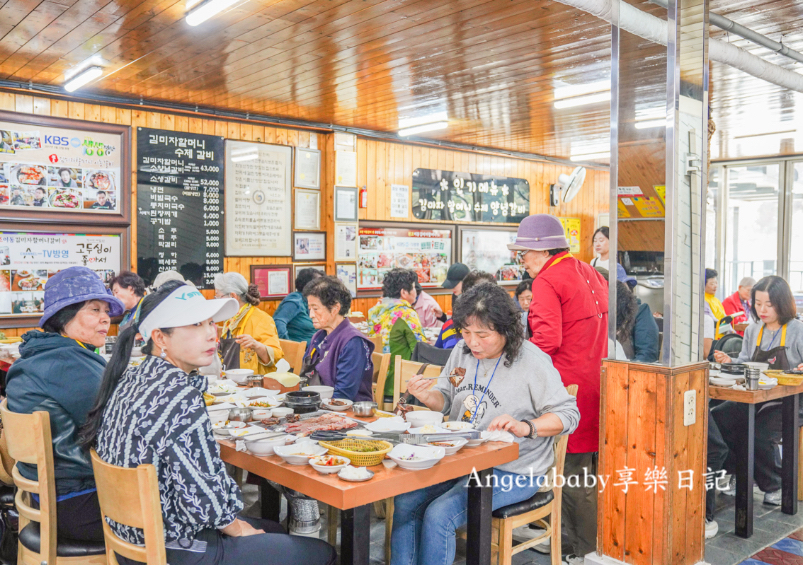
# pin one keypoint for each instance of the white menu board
(46, 168)
(427, 252)
(28, 259)
(258, 199)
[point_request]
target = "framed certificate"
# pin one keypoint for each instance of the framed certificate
(348, 276)
(345, 242)
(309, 246)
(346, 209)
(307, 168)
(307, 209)
(273, 280)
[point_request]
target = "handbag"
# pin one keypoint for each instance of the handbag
(229, 352)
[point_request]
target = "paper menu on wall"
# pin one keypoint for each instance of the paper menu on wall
(399, 201)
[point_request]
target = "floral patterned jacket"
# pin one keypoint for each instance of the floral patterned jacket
(157, 416)
(385, 313)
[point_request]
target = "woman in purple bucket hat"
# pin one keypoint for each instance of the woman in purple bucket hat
(60, 372)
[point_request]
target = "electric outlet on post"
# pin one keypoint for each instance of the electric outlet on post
(689, 407)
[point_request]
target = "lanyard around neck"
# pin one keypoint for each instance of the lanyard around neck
(781, 333)
(476, 372)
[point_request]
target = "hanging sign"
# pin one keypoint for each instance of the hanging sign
(466, 197)
(179, 205)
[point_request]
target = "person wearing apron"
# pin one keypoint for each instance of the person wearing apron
(782, 348)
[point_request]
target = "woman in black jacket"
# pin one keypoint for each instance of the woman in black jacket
(60, 372)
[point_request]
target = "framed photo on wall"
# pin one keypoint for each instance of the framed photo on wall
(307, 168)
(273, 280)
(348, 276)
(345, 242)
(317, 266)
(346, 205)
(307, 209)
(309, 246)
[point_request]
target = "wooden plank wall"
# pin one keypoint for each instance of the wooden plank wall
(642, 430)
(642, 164)
(379, 164)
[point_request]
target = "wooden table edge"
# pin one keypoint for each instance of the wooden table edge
(753, 396)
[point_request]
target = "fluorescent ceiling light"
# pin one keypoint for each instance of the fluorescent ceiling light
(786, 132)
(93, 61)
(587, 148)
(83, 78)
(591, 156)
(421, 120)
(246, 157)
(423, 128)
(207, 10)
(581, 89)
(647, 124)
(583, 100)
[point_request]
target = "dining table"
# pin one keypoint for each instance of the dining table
(745, 457)
(354, 499)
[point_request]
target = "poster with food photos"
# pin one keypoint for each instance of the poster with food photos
(427, 252)
(29, 259)
(51, 168)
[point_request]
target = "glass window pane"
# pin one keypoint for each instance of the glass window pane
(714, 184)
(796, 251)
(751, 240)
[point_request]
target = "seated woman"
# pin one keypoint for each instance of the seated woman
(429, 311)
(527, 400)
(523, 296)
(626, 310)
(154, 414)
(338, 355)
(292, 316)
(394, 319)
(130, 289)
(777, 340)
(253, 329)
(60, 372)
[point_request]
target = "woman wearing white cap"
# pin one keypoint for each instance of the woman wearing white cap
(155, 414)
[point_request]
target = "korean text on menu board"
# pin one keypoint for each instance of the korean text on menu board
(59, 169)
(465, 197)
(29, 259)
(427, 252)
(179, 205)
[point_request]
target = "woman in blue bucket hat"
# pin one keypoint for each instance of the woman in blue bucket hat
(60, 372)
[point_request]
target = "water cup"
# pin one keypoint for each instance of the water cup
(751, 376)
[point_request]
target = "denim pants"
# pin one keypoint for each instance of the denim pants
(424, 521)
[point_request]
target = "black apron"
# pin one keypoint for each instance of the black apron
(309, 368)
(229, 352)
(776, 357)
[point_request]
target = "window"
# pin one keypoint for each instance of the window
(796, 248)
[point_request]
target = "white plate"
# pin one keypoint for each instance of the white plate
(269, 400)
(325, 404)
(388, 425)
(427, 456)
(458, 426)
(299, 453)
(342, 478)
(327, 469)
(459, 443)
(479, 441)
(243, 432)
(720, 381)
(433, 430)
(259, 391)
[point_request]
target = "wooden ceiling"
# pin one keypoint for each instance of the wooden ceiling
(493, 65)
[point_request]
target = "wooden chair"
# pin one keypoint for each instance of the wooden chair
(130, 496)
(404, 371)
(30, 441)
(381, 363)
(293, 353)
(544, 503)
(377, 341)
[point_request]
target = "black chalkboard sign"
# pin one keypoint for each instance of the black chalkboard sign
(466, 197)
(179, 205)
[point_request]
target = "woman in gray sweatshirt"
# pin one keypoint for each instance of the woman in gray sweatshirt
(498, 381)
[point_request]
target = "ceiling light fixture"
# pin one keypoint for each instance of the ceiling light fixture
(580, 89)
(422, 128)
(767, 134)
(83, 78)
(647, 124)
(583, 100)
(591, 156)
(405, 123)
(208, 9)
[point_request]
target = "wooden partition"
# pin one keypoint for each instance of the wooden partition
(642, 434)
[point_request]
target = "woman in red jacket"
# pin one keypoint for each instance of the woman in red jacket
(568, 320)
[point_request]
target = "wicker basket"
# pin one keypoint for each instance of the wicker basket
(343, 448)
(789, 380)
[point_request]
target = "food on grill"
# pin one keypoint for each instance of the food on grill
(291, 418)
(272, 421)
(457, 376)
(335, 402)
(327, 422)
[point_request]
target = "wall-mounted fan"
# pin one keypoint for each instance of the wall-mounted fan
(568, 185)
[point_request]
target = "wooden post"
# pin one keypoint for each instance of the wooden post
(658, 517)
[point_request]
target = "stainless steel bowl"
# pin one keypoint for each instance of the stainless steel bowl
(240, 414)
(364, 408)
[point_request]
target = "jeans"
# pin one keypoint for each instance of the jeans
(425, 520)
(79, 518)
(274, 547)
(717, 454)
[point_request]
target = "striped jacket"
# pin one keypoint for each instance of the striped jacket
(157, 416)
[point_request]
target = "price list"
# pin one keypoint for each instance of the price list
(179, 205)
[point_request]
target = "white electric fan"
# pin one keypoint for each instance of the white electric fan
(568, 185)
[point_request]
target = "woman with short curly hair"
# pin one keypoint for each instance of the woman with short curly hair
(497, 381)
(395, 319)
